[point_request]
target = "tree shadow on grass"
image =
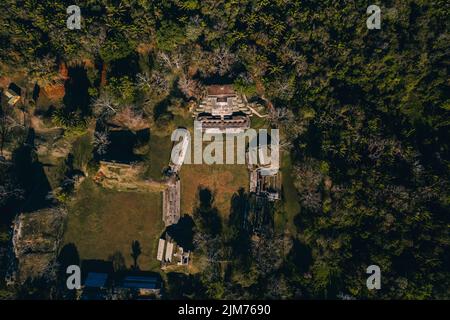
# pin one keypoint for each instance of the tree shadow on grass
(118, 261)
(206, 215)
(182, 232)
(136, 251)
(67, 256)
(239, 225)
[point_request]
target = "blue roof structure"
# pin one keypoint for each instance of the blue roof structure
(96, 280)
(140, 282)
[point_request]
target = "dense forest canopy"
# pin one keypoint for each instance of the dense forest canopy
(366, 113)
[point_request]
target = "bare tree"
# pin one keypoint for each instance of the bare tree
(43, 70)
(178, 60)
(209, 246)
(283, 87)
(267, 252)
(280, 116)
(308, 180)
(93, 41)
(246, 78)
(278, 288)
(298, 61)
(131, 117)
(173, 60)
(378, 147)
(9, 186)
(50, 272)
(101, 141)
(189, 87)
(9, 190)
(156, 83)
(165, 59)
(104, 106)
(160, 84)
(286, 145)
(7, 124)
(223, 59)
(144, 81)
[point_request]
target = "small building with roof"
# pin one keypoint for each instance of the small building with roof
(140, 285)
(12, 94)
(96, 280)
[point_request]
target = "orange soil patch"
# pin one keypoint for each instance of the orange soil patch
(63, 71)
(192, 70)
(127, 119)
(144, 48)
(88, 63)
(54, 91)
(103, 80)
(4, 82)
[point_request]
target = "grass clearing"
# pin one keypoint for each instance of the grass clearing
(158, 157)
(222, 180)
(284, 218)
(102, 222)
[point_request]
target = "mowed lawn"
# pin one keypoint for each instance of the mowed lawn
(103, 222)
(222, 180)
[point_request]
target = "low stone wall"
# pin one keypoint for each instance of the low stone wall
(171, 203)
(125, 177)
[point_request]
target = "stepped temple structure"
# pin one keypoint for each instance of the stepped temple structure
(221, 109)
